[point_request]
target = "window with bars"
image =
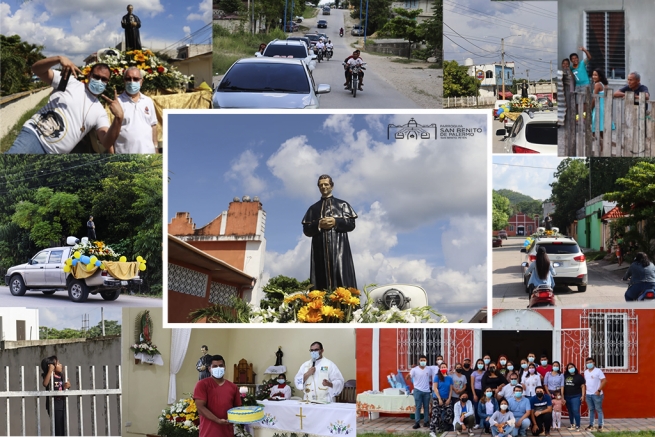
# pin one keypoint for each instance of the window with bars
(423, 341)
(605, 35)
(411, 4)
(609, 340)
(489, 74)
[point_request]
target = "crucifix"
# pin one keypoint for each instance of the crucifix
(301, 416)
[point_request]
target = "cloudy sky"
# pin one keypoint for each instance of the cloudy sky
(473, 29)
(77, 28)
(530, 175)
(71, 316)
(421, 204)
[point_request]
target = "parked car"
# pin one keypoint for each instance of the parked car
(545, 102)
(496, 242)
(321, 24)
(266, 82)
(45, 272)
(565, 255)
(303, 39)
(357, 30)
(534, 131)
(298, 19)
(291, 27)
(502, 234)
(313, 38)
(289, 48)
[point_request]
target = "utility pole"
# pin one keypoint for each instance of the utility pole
(528, 73)
(102, 320)
(551, 80)
(502, 62)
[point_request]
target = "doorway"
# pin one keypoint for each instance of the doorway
(517, 344)
(520, 231)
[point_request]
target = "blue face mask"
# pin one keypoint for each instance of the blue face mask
(510, 368)
(544, 363)
(518, 394)
(556, 369)
(590, 366)
(572, 370)
(514, 381)
(531, 359)
(280, 381)
(96, 86)
(487, 361)
(524, 366)
(315, 355)
(480, 366)
(132, 87)
(218, 372)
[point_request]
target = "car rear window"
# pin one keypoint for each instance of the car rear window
(285, 51)
(312, 37)
(265, 77)
(541, 133)
(559, 249)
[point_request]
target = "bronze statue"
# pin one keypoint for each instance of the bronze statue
(202, 366)
(131, 24)
(328, 222)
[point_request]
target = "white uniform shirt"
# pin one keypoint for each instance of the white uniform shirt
(592, 380)
(286, 391)
(313, 388)
(329, 45)
(58, 125)
(138, 119)
(320, 45)
(353, 61)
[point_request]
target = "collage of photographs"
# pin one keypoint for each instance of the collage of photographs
(272, 218)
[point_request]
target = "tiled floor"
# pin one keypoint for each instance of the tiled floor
(398, 425)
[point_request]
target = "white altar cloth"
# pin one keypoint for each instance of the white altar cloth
(314, 419)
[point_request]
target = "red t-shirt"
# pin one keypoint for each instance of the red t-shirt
(219, 399)
(543, 370)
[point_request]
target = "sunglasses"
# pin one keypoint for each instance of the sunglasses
(100, 78)
(314, 350)
(132, 79)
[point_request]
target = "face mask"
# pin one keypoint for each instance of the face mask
(524, 366)
(572, 370)
(510, 368)
(556, 369)
(315, 355)
(489, 394)
(480, 366)
(280, 381)
(132, 87)
(544, 363)
(531, 359)
(590, 366)
(467, 366)
(540, 394)
(486, 361)
(218, 372)
(459, 370)
(422, 363)
(96, 86)
(439, 362)
(503, 407)
(492, 369)
(531, 370)
(464, 400)
(518, 394)
(503, 362)
(514, 381)
(444, 371)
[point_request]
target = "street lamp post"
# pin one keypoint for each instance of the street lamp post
(365, 24)
(502, 55)
(284, 22)
(360, 17)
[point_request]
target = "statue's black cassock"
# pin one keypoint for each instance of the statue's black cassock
(132, 33)
(332, 263)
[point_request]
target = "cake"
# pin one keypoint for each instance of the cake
(248, 414)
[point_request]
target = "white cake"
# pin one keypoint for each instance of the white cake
(245, 415)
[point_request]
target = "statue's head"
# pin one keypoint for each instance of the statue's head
(204, 349)
(325, 185)
(130, 8)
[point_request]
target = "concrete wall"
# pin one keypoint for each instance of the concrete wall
(12, 111)
(73, 353)
(638, 23)
(394, 48)
(9, 317)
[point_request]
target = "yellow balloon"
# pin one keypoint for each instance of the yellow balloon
(77, 255)
(501, 116)
(94, 259)
(90, 267)
(69, 261)
(142, 266)
(67, 268)
(139, 259)
(122, 259)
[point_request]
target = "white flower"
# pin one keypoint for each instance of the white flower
(188, 423)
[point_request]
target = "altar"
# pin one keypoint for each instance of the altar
(304, 418)
(380, 403)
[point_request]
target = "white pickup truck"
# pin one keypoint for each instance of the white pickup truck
(45, 272)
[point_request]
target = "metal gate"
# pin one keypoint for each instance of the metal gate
(458, 344)
(576, 346)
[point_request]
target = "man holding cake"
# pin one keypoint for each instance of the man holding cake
(319, 379)
(214, 397)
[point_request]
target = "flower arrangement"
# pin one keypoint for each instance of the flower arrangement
(158, 75)
(180, 419)
(518, 104)
(96, 248)
(145, 347)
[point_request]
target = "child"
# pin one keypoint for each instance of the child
(52, 372)
(502, 421)
(557, 411)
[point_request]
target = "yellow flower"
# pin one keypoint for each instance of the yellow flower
(314, 317)
(315, 304)
(353, 301)
(329, 311)
(316, 294)
(142, 66)
(303, 313)
(354, 291)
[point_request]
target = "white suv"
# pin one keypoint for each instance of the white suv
(565, 255)
(534, 131)
(289, 49)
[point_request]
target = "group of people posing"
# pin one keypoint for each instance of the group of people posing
(505, 398)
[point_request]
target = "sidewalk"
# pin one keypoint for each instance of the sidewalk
(399, 425)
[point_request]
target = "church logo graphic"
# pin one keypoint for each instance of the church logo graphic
(412, 131)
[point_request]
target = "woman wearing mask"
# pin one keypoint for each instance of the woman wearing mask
(510, 368)
(493, 379)
(486, 408)
(523, 371)
(554, 380)
(281, 391)
(442, 406)
(502, 421)
(531, 381)
(464, 416)
(476, 384)
(486, 360)
(459, 382)
(641, 274)
(502, 364)
(574, 394)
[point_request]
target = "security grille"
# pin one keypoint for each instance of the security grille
(606, 42)
(613, 339)
(221, 293)
(187, 281)
(413, 342)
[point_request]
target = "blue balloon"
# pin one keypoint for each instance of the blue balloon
(85, 259)
(501, 110)
(74, 262)
(98, 263)
(526, 243)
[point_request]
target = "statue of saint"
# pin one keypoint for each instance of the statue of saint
(202, 366)
(279, 354)
(131, 24)
(328, 222)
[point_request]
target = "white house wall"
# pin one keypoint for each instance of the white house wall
(9, 318)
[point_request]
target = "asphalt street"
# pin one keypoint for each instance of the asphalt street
(35, 298)
(377, 93)
(498, 145)
(605, 286)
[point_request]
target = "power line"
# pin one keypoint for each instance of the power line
(474, 54)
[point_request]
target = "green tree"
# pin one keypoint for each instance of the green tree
(636, 197)
(457, 82)
(112, 327)
(433, 31)
(379, 13)
(231, 6)
(278, 287)
(569, 191)
(404, 25)
(17, 59)
(500, 211)
(529, 207)
(606, 171)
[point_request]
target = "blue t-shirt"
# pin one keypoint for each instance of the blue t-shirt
(580, 74)
(540, 404)
(519, 407)
(444, 386)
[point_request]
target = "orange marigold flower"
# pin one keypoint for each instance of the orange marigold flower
(315, 304)
(354, 291)
(314, 317)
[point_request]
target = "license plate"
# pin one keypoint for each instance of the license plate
(123, 282)
(557, 264)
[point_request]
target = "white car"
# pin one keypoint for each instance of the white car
(534, 131)
(289, 49)
(565, 255)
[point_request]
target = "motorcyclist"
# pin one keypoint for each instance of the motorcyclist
(341, 32)
(354, 59)
(642, 276)
(541, 271)
(320, 46)
(329, 46)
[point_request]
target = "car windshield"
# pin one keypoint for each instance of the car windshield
(312, 37)
(285, 51)
(541, 133)
(265, 77)
(558, 249)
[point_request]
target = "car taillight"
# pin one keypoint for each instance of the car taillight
(532, 258)
(579, 258)
(519, 149)
(104, 273)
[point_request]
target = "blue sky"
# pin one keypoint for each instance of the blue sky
(421, 204)
(77, 28)
(71, 316)
(530, 175)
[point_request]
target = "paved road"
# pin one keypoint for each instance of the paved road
(508, 291)
(377, 93)
(498, 145)
(33, 299)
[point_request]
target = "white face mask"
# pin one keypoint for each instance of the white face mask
(218, 372)
(439, 362)
(503, 407)
(315, 355)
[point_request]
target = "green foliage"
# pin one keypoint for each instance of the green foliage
(514, 196)
(500, 211)
(168, 429)
(16, 66)
(529, 207)
(229, 47)
(404, 25)
(569, 191)
(457, 82)
(606, 171)
(433, 31)
(280, 286)
(635, 197)
(237, 311)
(231, 6)
(112, 327)
(379, 13)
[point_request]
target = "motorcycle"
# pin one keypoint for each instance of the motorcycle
(319, 55)
(354, 76)
(647, 294)
(341, 32)
(541, 295)
(328, 53)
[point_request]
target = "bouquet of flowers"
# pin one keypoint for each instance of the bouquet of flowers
(145, 347)
(97, 249)
(180, 420)
(518, 104)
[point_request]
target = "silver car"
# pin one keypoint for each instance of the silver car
(268, 83)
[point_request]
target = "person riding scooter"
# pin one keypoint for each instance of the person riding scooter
(541, 271)
(341, 32)
(642, 276)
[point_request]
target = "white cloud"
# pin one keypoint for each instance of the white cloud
(527, 175)
(243, 169)
(204, 13)
(186, 30)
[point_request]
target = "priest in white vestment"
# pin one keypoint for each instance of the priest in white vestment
(319, 379)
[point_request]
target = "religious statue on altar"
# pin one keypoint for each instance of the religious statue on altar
(131, 24)
(319, 379)
(202, 365)
(279, 354)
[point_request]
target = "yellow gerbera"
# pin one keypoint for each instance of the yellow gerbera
(315, 304)
(354, 291)
(303, 313)
(353, 301)
(314, 317)
(316, 294)
(140, 57)
(329, 311)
